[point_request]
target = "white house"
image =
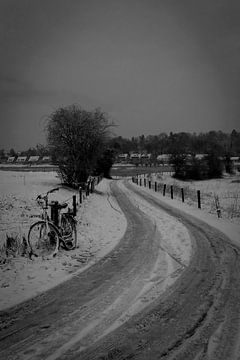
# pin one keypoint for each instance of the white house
(236, 163)
(46, 159)
(21, 159)
(33, 159)
(163, 158)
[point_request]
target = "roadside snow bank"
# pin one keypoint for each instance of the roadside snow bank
(101, 224)
(178, 245)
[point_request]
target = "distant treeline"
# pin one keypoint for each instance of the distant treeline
(188, 143)
(184, 142)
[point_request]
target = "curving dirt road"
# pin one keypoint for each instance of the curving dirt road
(138, 302)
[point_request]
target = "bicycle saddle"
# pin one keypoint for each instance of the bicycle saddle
(62, 206)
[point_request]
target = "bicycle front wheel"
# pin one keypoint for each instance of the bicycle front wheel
(69, 231)
(43, 239)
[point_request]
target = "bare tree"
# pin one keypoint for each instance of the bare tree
(76, 139)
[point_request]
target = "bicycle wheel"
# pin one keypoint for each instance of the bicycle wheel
(69, 231)
(43, 239)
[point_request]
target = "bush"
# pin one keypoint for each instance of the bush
(76, 139)
(105, 163)
(214, 165)
(186, 168)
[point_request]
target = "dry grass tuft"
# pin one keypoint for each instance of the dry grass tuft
(13, 246)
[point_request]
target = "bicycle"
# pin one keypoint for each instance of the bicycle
(45, 237)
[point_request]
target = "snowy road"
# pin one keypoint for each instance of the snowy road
(149, 298)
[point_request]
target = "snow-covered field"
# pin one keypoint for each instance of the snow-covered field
(101, 224)
(226, 189)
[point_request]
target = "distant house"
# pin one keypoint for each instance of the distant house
(33, 159)
(163, 159)
(21, 159)
(46, 159)
(145, 159)
(135, 158)
(11, 159)
(236, 163)
(200, 156)
(122, 157)
(146, 156)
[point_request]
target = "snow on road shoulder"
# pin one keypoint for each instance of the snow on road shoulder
(101, 224)
(175, 238)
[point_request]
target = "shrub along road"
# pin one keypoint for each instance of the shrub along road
(117, 308)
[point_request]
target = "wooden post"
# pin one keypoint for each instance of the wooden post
(155, 186)
(80, 195)
(87, 189)
(217, 203)
(199, 199)
(92, 186)
(54, 213)
(182, 192)
(164, 189)
(149, 184)
(145, 182)
(74, 205)
(171, 191)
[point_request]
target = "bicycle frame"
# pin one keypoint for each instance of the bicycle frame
(42, 201)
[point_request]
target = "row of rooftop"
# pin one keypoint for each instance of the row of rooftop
(162, 157)
(29, 159)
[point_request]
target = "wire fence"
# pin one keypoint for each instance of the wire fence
(227, 206)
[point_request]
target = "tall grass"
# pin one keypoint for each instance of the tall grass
(13, 246)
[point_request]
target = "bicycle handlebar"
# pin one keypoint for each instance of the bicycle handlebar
(49, 192)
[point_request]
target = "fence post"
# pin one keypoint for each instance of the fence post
(171, 192)
(216, 198)
(182, 192)
(74, 203)
(87, 189)
(145, 182)
(149, 184)
(54, 213)
(80, 195)
(155, 186)
(164, 189)
(199, 199)
(92, 186)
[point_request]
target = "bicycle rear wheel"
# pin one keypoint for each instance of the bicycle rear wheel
(69, 231)
(43, 239)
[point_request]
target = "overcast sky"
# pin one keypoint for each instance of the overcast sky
(153, 65)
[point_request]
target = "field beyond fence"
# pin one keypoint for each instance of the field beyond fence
(217, 196)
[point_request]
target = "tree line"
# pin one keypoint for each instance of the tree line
(217, 149)
(184, 142)
(81, 143)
